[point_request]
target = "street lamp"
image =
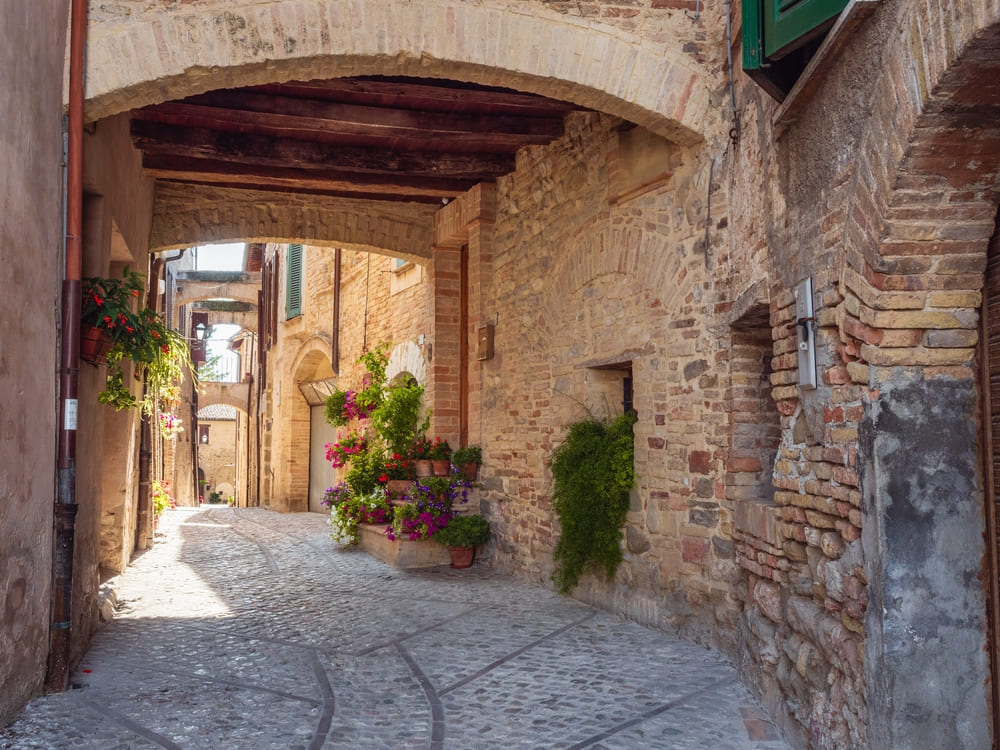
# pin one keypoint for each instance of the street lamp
(200, 330)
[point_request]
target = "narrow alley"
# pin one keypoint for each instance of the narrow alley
(243, 628)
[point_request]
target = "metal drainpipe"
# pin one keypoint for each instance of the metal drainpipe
(193, 422)
(142, 511)
(60, 633)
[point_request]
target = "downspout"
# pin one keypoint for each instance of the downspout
(143, 521)
(60, 633)
(193, 422)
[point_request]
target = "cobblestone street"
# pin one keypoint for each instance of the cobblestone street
(243, 628)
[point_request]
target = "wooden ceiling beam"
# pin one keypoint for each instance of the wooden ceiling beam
(255, 151)
(184, 114)
(213, 171)
(355, 119)
(431, 95)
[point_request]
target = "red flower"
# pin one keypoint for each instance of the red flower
(384, 478)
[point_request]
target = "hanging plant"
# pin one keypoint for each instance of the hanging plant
(159, 354)
(593, 471)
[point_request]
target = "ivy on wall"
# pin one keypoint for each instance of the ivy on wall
(594, 472)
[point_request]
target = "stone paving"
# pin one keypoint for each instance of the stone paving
(243, 628)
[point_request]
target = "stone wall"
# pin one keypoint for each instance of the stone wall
(771, 520)
(381, 301)
(30, 86)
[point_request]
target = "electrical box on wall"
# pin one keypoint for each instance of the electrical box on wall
(484, 349)
(805, 344)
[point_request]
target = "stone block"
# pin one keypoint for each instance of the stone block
(402, 553)
(758, 519)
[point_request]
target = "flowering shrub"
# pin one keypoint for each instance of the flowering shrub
(430, 509)
(161, 496)
(397, 467)
(419, 520)
(439, 450)
(348, 510)
(159, 353)
(421, 449)
(346, 448)
(170, 425)
(343, 406)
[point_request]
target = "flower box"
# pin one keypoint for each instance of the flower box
(402, 553)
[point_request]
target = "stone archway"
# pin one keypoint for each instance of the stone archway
(916, 248)
(226, 45)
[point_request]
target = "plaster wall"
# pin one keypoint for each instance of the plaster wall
(30, 150)
(117, 213)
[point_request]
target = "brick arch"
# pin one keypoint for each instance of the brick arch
(227, 394)
(312, 360)
(171, 52)
(916, 242)
(189, 216)
(407, 357)
(917, 268)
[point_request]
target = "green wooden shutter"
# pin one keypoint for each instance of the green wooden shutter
(788, 23)
(293, 282)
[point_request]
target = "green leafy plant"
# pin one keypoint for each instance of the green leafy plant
(334, 412)
(439, 450)
(161, 496)
(593, 471)
(464, 531)
(397, 419)
(366, 468)
(471, 454)
(348, 510)
(159, 353)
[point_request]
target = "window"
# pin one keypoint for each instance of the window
(781, 36)
(203, 434)
(293, 282)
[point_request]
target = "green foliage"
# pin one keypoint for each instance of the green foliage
(159, 353)
(471, 454)
(464, 531)
(161, 496)
(593, 471)
(375, 361)
(334, 413)
(397, 419)
(365, 470)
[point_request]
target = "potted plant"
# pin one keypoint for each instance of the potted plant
(348, 510)
(159, 353)
(398, 474)
(420, 453)
(161, 499)
(461, 536)
(420, 519)
(440, 456)
(468, 460)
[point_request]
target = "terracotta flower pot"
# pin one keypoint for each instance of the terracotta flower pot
(397, 487)
(442, 467)
(461, 557)
(470, 471)
(95, 343)
(425, 467)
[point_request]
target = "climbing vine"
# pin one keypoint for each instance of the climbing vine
(594, 472)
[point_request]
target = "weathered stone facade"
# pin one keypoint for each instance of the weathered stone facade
(829, 539)
(30, 86)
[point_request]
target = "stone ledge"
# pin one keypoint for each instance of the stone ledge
(402, 553)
